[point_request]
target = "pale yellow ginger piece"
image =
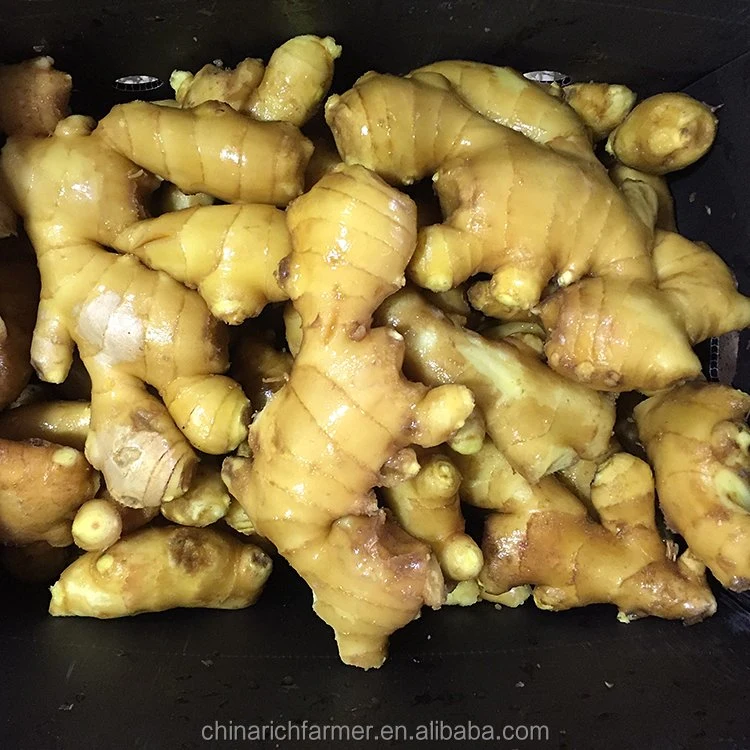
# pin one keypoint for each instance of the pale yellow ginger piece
(260, 369)
(132, 326)
(512, 598)
(100, 522)
(469, 438)
(62, 422)
(206, 502)
(506, 97)
(698, 442)
(161, 568)
(601, 106)
(33, 97)
(228, 253)
(542, 536)
(236, 518)
(42, 485)
(665, 217)
(427, 507)
(622, 335)
(542, 421)
(664, 133)
(37, 562)
(463, 594)
(290, 88)
(211, 149)
(513, 208)
(322, 443)
(170, 198)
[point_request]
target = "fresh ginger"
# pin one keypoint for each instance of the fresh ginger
(428, 508)
(542, 535)
(601, 106)
(623, 335)
(322, 444)
(62, 422)
(665, 218)
(159, 568)
(228, 253)
(514, 209)
(42, 485)
(260, 369)
(211, 149)
(540, 420)
(33, 97)
(100, 522)
(664, 133)
(132, 326)
(206, 501)
(698, 442)
(19, 293)
(290, 89)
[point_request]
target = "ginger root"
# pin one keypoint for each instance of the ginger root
(33, 97)
(228, 253)
(698, 442)
(542, 535)
(540, 420)
(160, 568)
(62, 422)
(514, 209)
(132, 326)
(601, 106)
(100, 522)
(211, 149)
(206, 502)
(322, 444)
(42, 485)
(664, 133)
(665, 217)
(428, 508)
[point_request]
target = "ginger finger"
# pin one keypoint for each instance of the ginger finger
(319, 446)
(234, 86)
(602, 106)
(540, 420)
(97, 525)
(469, 438)
(170, 198)
(665, 218)
(427, 507)
(62, 422)
(697, 441)
(260, 369)
(514, 209)
(42, 485)
(37, 562)
(19, 292)
(206, 502)
(664, 133)
(160, 568)
(33, 97)
(228, 253)
(211, 149)
(236, 518)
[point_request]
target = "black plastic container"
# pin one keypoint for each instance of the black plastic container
(173, 680)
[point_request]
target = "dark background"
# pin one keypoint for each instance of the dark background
(154, 681)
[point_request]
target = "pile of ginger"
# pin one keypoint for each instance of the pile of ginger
(228, 333)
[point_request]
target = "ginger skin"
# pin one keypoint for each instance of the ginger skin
(514, 209)
(206, 502)
(665, 217)
(322, 444)
(697, 440)
(100, 522)
(42, 485)
(160, 568)
(62, 422)
(132, 326)
(601, 106)
(542, 535)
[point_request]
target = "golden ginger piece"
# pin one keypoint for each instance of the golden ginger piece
(514, 209)
(33, 97)
(664, 133)
(211, 149)
(601, 106)
(161, 568)
(506, 97)
(622, 335)
(427, 507)
(132, 326)
(206, 502)
(37, 562)
(260, 369)
(236, 518)
(540, 420)
(327, 439)
(697, 441)
(469, 438)
(42, 485)
(290, 89)
(62, 422)
(621, 175)
(228, 253)
(541, 535)
(19, 294)
(169, 197)
(100, 522)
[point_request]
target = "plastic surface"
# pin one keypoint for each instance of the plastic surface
(156, 681)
